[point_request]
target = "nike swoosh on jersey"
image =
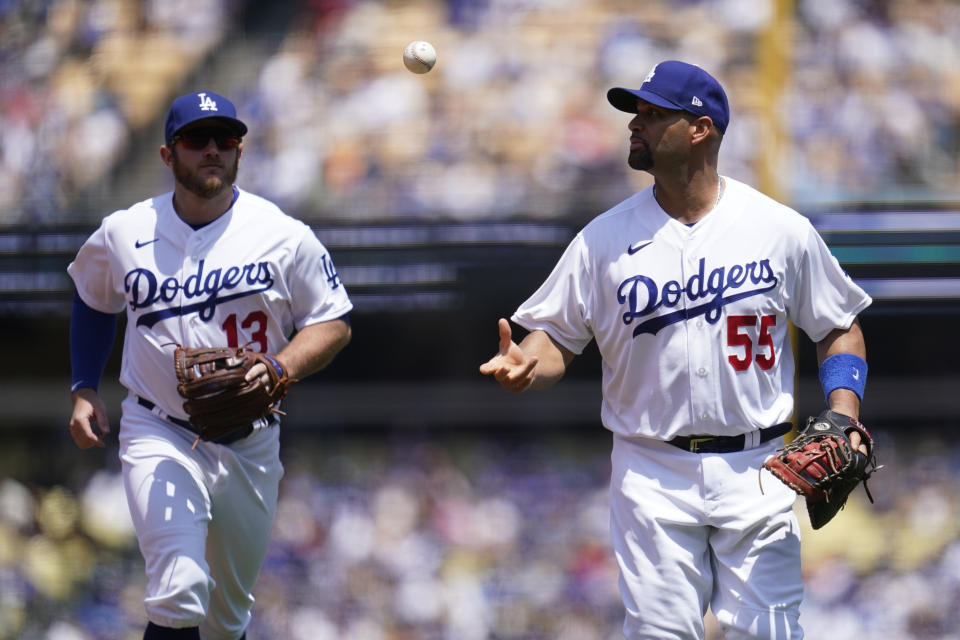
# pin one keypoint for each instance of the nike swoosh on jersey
(140, 245)
(632, 249)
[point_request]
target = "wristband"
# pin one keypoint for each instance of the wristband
(843, 371)
(276, 365)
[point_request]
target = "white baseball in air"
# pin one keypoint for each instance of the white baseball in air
(419, 56)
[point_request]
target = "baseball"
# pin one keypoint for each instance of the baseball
(419, 56)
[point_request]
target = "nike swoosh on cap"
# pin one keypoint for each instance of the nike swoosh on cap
(140, 245)
(632, 249)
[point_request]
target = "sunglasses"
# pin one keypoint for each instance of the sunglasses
(198, 139)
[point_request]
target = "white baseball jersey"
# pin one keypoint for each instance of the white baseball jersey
(253, 275)
(692, 321)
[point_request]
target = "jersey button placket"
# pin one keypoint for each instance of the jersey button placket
(699, 348)
(190, 264)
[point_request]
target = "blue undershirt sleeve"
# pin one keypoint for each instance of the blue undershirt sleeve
(91, 340)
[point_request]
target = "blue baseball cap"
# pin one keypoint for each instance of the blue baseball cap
(201, 105)
(677, 85)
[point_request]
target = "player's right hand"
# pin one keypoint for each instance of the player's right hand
(510, 366)
(89, 424)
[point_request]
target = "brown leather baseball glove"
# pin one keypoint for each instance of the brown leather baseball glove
(820, 465)
(219, 400)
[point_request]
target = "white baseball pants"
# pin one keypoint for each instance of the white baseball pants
(203, 518)
(691, 530)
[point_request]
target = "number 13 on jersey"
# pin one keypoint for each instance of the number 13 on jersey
(256, 320)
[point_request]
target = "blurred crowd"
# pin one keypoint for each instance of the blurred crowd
(511, 122)
(79, 79)
(469, 538)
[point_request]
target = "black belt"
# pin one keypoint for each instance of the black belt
(727, 444)
(233, 436)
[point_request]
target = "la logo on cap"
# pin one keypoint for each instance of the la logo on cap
(207, 103)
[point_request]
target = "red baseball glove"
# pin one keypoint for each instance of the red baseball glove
(820, 465)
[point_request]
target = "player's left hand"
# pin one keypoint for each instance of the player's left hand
(259, 370)
(511, 367)
(223, 390)
(856, 442)
(823, 465)
(846, 402)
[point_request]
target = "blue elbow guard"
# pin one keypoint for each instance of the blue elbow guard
(843, 371)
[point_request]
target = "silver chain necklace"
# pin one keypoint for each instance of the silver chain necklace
(720, 190)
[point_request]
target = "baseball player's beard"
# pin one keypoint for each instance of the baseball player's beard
(640, 159)
(205, 187)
